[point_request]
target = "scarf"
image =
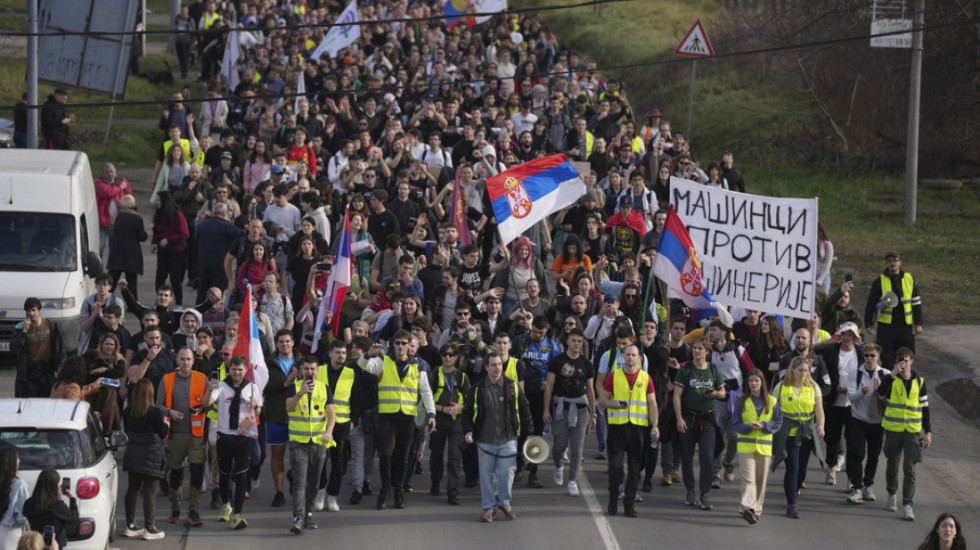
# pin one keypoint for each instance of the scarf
(236, 402)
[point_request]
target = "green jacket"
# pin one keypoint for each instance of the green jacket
(807, 430)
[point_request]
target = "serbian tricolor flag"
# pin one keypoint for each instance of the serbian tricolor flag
(249, 345)
(529, 192)
(457, 212)
(677, 264)
(337, 284)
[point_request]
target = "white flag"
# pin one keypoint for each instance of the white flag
(300, 90)
(229, 63)
(488, 6)
(344, 34)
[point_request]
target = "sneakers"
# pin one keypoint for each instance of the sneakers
(832, 476)
(355, 497)
(907, 513)
(279, 500)
(855, 497)
(749, 516)
(297, 527)
(676, 476)
(238, 522)
(383, 496)
(194, 518)
(867, 494)
(792, 512)
(841, 461)
(558, 476)
(716, 482)
(487, 515)
(453, 500)
(507, 511)
(309, 523)
(321, 496)
(573, 489)
(704, 504)
(225, 512)
(132, 531)
(892, 505)
(666, 480)
(729, 472)
(332, 505)
(150, 532)
(647, 486)
(601, 455)
(533, 481)
(399, 500)
(256, 483)
(174, 516)
(690, 499)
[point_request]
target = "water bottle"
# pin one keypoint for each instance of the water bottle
(654, 442)
(546, 430)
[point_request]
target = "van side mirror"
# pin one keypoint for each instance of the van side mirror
(117, 439)
(93, 264)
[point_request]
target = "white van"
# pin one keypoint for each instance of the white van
(49, 237)
(65, 435)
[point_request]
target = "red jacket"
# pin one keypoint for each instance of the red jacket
(295, 154)
(174, 232)
(105, 193)
(634, 222)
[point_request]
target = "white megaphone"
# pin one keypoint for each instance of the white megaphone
(889, 299)
(536, 449)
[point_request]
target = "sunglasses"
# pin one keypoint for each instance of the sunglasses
(401, 343)
(871, 355)
(448, 354)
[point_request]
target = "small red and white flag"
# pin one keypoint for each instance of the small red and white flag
(249, 345)
(337, 284)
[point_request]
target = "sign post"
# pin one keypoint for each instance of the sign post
(694, 44)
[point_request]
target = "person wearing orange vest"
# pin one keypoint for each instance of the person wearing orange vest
(184, 400)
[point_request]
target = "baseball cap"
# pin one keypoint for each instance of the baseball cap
(276, 169)
(226, 155)
(610, 299)
(626, 201)
(891, 253)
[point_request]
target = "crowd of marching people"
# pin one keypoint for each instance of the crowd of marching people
(447, 344)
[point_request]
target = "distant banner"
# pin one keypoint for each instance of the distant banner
(757, 252)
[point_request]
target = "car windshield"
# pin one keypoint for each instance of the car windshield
(34, 241)
(39, 449)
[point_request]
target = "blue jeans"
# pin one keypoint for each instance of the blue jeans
(600, 428)
(508, 305)
(103, 242)
(497, 466)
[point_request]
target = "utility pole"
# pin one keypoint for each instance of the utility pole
(32, 113)
(915, 90)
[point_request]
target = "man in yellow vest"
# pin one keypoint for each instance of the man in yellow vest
(631, 404)
(897, 326)
(907, 428)
(450, 384)
(344, 384)
(310, 407)
(401, 383)
(184, 399)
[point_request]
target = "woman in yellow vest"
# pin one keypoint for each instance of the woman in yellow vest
(760, 418)
(800, 400)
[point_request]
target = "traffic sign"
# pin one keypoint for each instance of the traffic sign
(695, 43)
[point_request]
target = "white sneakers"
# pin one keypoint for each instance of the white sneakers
(854, 496)
(321, 495)
(867, 494)
(559, 476)
(907, 513)
(573, 489)
(332, 505)
(892, 505)
(832, 475)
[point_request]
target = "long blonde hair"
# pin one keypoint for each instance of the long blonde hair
(790, 377)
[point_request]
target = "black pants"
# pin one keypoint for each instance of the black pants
(700, 432)
(171, 264)
(626, 441)
(535, 399)
(210, 276)
(131, 278)
(183, 56)
(892, 337)
(863, 437)
(142, 484)
(837, 418)
(331, 478)
(439, 440)
(191, 260)
(234, 460)
(395, 433)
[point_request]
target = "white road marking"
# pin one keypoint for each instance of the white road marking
(598, 514)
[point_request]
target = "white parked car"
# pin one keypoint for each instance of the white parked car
(65, 435)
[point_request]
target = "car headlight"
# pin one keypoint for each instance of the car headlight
(58, 303)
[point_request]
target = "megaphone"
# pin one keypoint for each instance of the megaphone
(889, 299)
(536, 449)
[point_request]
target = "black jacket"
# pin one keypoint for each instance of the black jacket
(517, 422)
(37, 379)
(52, 113)
(831, 358)
(125, 253)
(63, 517)
(145, 451)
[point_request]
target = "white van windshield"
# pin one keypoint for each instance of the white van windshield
(34, 241)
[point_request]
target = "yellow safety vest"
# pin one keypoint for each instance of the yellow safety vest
(756, 441)
(885, 317)
(341, 394)
(457, 398)
(589, 144)
(308, 423)
(903, 412)
(637, 145)
(636, 396)
(185, 144)
(398, 394)
(517, 406)
(209, 19)
(799, 409)
(213, 411)
(511, 370)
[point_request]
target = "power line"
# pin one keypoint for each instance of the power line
(439, 17)
(828, 42)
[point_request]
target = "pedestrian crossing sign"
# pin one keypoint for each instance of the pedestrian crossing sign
(695, 43)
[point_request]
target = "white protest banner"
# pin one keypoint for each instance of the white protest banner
(757, 252)
(344, 34)
(488, 6)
